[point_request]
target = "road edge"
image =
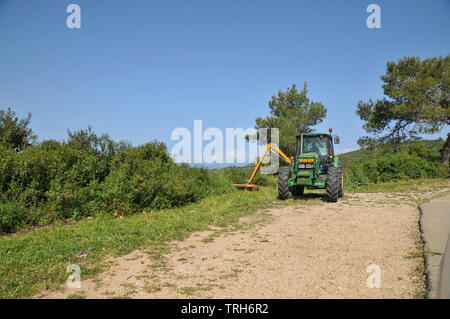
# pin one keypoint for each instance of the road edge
(444, 276)
(425, 255)
(439, 287)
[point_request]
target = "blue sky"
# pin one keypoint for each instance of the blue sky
(138, 69)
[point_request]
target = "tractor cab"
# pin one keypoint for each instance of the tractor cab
(318, 146)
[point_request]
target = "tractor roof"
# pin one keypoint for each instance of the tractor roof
(314, 134)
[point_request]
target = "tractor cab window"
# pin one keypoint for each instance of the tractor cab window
(316, 144)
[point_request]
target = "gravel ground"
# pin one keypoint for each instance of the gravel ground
(309, 249)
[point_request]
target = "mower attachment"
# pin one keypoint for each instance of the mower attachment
(250, 187)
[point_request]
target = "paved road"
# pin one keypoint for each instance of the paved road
(435, 226)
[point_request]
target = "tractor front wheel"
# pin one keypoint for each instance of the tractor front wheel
(283, 182)
(333, 184)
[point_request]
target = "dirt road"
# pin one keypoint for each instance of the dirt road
(307, 249)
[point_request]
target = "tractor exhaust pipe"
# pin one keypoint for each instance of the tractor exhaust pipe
(301, 144)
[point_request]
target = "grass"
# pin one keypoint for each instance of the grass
(192, 290)
(34, 261)
(398, 186)
(418, 274)
(76, 296)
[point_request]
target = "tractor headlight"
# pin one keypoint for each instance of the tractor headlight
(306, 163)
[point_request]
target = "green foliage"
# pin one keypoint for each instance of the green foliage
(15, 133)
(417, 101)
(421, 151)
(240, 175)
(291, 111)
(90, 175)
(425, 149)
(401, 166)
(13, 216)
(355, 177)
(392, 167)
(236, 175)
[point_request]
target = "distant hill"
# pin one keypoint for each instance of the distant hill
(429, 148)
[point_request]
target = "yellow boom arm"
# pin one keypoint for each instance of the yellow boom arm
(268, 147)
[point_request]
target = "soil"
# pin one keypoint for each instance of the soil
(308, 249)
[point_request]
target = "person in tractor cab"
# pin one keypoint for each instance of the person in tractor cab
(311, 147)
(318, 147)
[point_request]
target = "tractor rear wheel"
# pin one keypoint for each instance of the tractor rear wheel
(283, 182)
(341, 180)
(333, 184)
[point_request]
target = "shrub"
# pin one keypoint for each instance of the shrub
(356, 177)
(90, 174)
(12, 217)
(240, 175)
(392, 167)
(420, 150)
(402, 166)
(8, 158)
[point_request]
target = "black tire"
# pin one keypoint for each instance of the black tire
(333, 182)
(341, 182)
(283, 182)
(297, 190)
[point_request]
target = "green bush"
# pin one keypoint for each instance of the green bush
(237, 175)
(13, 216)
(89, 175)
(402, 166)
(149, 179)
(240, 175)
(356, 177)
(393, 167)
(420, 150)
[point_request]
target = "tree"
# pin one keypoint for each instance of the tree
(83, 139)
(15, 133)
(292, 112)
(416, 102)
(101, 145)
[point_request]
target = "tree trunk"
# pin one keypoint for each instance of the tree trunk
(445, 152)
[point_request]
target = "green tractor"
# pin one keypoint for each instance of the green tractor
(314, 166)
